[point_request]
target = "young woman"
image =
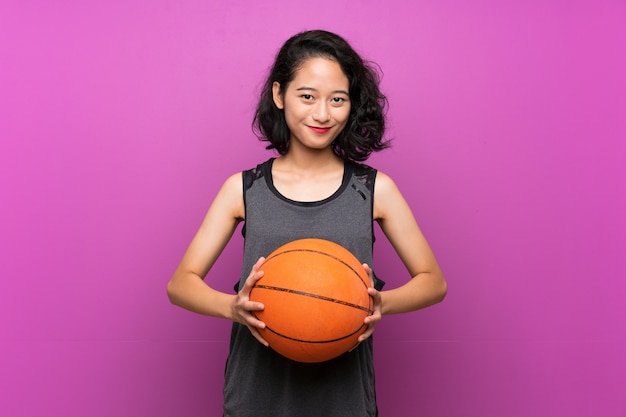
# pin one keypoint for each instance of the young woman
(322, 111)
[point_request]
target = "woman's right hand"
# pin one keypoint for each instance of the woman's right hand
(242, 308)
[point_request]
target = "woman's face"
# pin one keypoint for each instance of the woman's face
(316, 103)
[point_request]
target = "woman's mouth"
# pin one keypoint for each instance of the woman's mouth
(319, 130)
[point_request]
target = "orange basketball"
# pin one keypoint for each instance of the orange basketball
(315, 297)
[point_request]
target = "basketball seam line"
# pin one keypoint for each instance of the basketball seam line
(319, 342)
(321, 253)
(319, 297)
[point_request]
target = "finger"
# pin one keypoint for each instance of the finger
(258, 263)
(253, 306)
(255, 275)
(374, 293)
(258, 336)
(256, 266)
(373, 319)
(253, 322)
(369, 272)
(376, 297)
(371, 325)
(366, 335)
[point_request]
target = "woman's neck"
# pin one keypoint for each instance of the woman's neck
(310, 161)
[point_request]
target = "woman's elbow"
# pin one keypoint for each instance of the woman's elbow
(440, 289)
(443, 291)
(171, 292)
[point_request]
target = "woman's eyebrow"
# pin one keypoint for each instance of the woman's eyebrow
(304, 88)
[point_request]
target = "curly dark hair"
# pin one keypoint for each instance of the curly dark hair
(365, 128)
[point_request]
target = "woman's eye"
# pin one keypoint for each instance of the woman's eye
(338, 100)
(307, 96)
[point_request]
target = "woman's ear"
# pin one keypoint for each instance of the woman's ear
(276, 94)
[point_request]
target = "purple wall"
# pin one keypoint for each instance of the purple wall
(120, 120)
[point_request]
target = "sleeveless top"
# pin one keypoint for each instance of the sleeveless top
(260, 382)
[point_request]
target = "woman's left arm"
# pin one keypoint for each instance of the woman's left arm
(427, 285)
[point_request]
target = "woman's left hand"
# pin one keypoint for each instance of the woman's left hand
(376, 315)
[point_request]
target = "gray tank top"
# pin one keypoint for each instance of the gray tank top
(260, 382)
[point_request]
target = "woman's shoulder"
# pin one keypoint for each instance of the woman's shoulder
(252, 174)
(360, 168)
(384, 183)
(232, 188)
(237, 181)
(260, 166)
(387, 195)
(363, 173)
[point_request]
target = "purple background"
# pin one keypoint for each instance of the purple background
(119, 121)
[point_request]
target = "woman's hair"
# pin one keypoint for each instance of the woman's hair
(365, 128)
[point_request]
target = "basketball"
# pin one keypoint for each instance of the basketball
(315, 297)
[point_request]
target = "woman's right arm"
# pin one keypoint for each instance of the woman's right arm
(187, 287)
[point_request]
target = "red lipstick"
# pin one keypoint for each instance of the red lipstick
(320, 130)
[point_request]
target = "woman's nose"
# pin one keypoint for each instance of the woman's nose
(321, 113)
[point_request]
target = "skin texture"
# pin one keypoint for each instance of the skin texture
(317, 106)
